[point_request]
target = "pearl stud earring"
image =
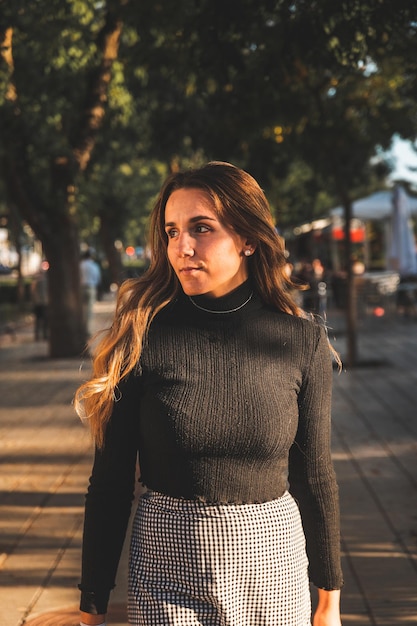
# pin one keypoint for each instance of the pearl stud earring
(248, 252)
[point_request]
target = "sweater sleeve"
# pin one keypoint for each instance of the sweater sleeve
(109, 501)
(312, 478)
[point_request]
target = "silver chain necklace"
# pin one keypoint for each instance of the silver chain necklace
(197, 306)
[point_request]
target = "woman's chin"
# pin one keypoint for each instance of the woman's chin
(194, 292)
(191, 288)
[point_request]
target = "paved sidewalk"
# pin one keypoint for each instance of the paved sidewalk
(46, 459)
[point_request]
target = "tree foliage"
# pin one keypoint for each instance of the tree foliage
(99, 101)
(56, 71)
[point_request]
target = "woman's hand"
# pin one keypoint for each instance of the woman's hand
(328, 609)
(92, 620)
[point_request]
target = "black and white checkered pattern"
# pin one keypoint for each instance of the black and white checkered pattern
(218, 565)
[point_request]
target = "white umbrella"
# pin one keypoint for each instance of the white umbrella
(402, 247)
(377, 206)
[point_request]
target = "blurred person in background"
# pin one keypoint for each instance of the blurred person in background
(40, 299)
(90, 277)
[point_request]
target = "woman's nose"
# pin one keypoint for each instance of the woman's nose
(185, 245)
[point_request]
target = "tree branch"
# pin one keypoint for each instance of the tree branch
(6, 53)
(97, 96)
(14, 164)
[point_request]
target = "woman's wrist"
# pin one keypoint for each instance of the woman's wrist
(89, 619)
(329, 599)
(327, 612)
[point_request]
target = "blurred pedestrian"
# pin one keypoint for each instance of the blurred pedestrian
(90, 276)
(314, 275)
(219, 384)
(40, 299)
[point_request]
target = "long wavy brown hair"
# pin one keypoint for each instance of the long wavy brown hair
(242, 206)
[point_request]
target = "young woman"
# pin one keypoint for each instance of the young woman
(214, 380)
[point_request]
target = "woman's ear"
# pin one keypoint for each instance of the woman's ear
(248, 250)
(250, 245)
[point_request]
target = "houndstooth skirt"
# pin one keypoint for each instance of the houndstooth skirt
(217, 565)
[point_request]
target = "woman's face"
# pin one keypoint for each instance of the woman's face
(207, 257)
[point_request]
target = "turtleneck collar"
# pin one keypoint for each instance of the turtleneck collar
(229, 303)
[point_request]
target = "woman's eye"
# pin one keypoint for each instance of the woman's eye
(198, 229)
(202, 228)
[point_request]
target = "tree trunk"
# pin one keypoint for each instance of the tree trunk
(107, 239)
(66, 327)
(351, 304)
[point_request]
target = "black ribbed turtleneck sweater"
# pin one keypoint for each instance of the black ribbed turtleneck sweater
(224, 407)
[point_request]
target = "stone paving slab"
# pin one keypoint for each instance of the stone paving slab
(374, 448)
(46, 459)
(46, 456)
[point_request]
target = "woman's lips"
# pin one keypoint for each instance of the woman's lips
(188, 270)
